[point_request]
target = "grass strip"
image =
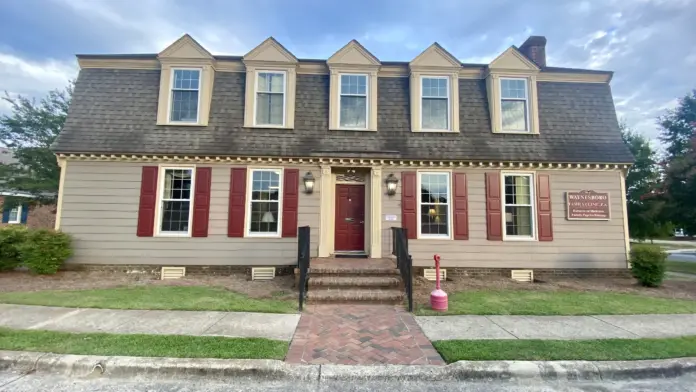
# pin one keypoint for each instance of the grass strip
(153, 297)
(176, 346)
(681, 266)
(556, 350)
(567, 303)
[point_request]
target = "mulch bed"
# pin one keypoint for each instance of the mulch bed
(670, 288)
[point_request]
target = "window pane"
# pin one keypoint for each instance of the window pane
(518, 220)
(354, 84)
(434, 208)
(264, 217)
(353, 112)
(517, 190)
(14, 215)
(434, 113)
(271, 82)
(184, 106)
(434, 87)
(513, 88)
(514, 115)
(269, 109)
(434, 219)
(177, 184)
(175, 216)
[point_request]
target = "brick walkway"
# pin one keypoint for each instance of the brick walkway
(360, 335)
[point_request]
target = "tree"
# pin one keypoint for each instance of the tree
(644, 200)
(679, 135)
(29, 132)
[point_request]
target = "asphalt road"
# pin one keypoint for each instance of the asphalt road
(37, 383)
(683, 256)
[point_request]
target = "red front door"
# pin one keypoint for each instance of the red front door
(350, 218)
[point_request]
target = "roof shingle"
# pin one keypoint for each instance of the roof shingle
(115, 111)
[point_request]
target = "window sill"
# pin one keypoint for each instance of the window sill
(517, 132)
(434, 131)
(182, 124)
(268, 126)
(353, 129)
(14, 223)
(259, 235)
(433, 237)
(173, 235)
(520, 238)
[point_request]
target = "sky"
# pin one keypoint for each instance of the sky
(649, 44)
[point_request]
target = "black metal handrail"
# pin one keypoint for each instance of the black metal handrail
(303, 261)
(404, 262)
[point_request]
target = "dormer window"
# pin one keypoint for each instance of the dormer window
(435, 103)
(353, 101)
(270, 98)
(514, 107)
(186, 84)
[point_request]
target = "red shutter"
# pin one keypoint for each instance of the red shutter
(544, 219)
(409, 204)
(291, 187)
(494, 217)
(148, 201)
(237, 207)
(201, 202)
(461, 207)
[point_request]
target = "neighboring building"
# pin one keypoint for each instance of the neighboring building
(24, 214)
(185, 158)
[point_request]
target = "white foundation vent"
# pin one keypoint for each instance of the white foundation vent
(262, 273)
(429, 274)
(522, 275)
(173, 273)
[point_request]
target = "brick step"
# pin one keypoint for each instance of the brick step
(353, 272)
(323, 281)
(361, 295)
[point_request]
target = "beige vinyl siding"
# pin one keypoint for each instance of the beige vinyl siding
(576, 244)
(100, 211)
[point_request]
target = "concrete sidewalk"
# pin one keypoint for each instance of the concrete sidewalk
(152, 322)
(557, 327)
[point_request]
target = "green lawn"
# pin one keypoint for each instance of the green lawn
(517, 302)
(681, 266)
(664, 246)
(142, 345)
(555, 350)
(153, 297)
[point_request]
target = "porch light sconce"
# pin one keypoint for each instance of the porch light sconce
(308, 182)
(391, 182)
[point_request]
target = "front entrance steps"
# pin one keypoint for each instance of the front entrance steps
(354, 281)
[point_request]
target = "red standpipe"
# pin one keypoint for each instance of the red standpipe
(438, 298)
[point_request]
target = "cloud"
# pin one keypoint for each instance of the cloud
(647, 43)
(31, 78)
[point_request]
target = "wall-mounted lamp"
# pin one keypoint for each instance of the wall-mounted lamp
(308, 182)
(391, 182)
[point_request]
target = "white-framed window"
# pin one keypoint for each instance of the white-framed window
(175, 201)
(353, 101)
(185, 95)
(434, 205)
(264, 195)
(270, 98)
(514, 105)
(15, 215)
(435, 103)
(518, 206)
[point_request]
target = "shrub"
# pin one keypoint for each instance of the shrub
(648, 265)
(10, 239)
(44, 251)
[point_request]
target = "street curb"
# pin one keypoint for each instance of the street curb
(268, 370)
(693, 250)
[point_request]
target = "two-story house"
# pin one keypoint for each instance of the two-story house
(184, 158)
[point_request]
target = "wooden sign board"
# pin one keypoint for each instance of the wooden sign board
(588, 205)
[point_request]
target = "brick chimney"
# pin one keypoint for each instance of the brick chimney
(535, 48)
